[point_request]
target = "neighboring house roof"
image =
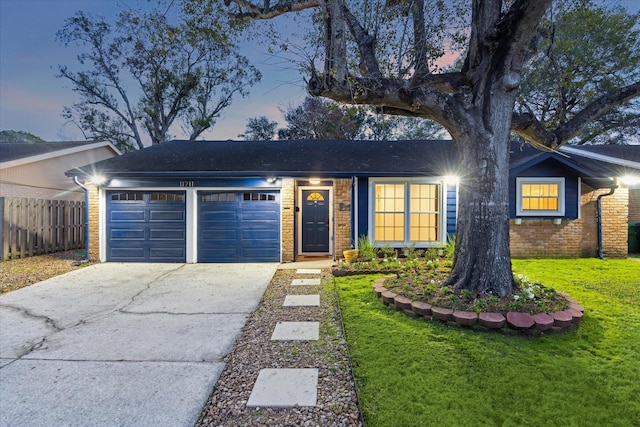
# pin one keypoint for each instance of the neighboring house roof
(333, 158)
(18, 153)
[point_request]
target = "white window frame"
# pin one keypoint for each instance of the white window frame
(560, 212)
(407, 211)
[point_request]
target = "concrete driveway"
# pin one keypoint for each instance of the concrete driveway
(122, 344)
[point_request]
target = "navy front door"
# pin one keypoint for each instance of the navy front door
(315, 221)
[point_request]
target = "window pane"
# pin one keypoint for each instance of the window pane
(540, 197)
(389, 212)
(425, 212)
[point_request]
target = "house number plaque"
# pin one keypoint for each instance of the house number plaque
(186, 183)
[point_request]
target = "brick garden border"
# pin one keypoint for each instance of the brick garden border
(536, 324)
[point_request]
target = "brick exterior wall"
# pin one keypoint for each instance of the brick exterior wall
(287, 201)
(615, 227)
(634, 205)
(94, 224)
(574, 238)
(342, 197)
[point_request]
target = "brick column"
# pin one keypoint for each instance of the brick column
(287, 196)
(615, 231)
(342, 197)
(94, 223)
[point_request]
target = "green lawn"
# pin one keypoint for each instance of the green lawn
(413, 372)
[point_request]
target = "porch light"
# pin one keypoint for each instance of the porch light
(452, 179)
(629, 180)
(97, 179)
(271, 179)
(314, 181)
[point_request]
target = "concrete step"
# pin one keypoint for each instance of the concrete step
(296, 331)
(285, 388)
(302, 301)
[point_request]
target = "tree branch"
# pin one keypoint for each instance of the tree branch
(530, 128)
(267, 12)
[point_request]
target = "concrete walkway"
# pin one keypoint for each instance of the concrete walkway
(122, 344)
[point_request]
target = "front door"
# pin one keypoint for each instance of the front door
(315, 221)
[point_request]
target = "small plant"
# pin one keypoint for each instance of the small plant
(410, 252)
(480, 304)
(367, 252)
(466, 294)
(388, 252)
(430, 254)
(450, 247)
(432, 264)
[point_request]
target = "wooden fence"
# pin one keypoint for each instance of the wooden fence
(35, 226)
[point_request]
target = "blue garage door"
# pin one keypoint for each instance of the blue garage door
(146, 226)
(239, 226)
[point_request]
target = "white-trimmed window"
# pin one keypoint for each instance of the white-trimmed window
(406, 211)
(540, 197)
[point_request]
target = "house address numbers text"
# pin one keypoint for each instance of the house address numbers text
(186, 183)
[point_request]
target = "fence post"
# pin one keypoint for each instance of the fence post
(4, 248)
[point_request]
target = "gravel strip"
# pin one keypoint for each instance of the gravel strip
(18, 273)
(337, 399)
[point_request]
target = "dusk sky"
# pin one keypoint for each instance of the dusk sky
(31, 98)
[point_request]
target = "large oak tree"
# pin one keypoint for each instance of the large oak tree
(142, 74)
(385, 54)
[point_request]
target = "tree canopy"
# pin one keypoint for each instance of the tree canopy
(142, 73)
(18, 136)
(580, 52)
(389, 54)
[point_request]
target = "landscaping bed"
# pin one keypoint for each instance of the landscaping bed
(416, 287)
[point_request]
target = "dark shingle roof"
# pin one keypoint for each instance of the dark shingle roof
(20, 150)
(326, 158)
(283, 158)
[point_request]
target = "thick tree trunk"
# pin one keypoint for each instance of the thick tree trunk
(482, 261)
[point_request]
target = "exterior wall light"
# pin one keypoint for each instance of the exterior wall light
(629, 180)
(314, 181)
(97, 179)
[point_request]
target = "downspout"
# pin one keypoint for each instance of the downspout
(612, 190)
(354, 213)
(86, 214)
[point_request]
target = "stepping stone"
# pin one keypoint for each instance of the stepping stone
(296, 331)
(305, 282)
(285, 388)
(308, 271)
(302, 301)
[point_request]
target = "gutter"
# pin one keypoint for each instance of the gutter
(612, 190)
(86, 227)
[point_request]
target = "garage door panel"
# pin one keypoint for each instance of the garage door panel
(166, 254)
(243, 230)
(127, 215)
(257, 235)
(165, 216)
(150, 229)
(213, 235)
(127, 234)
(161, 234)
(128, 253)
(219, 216)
